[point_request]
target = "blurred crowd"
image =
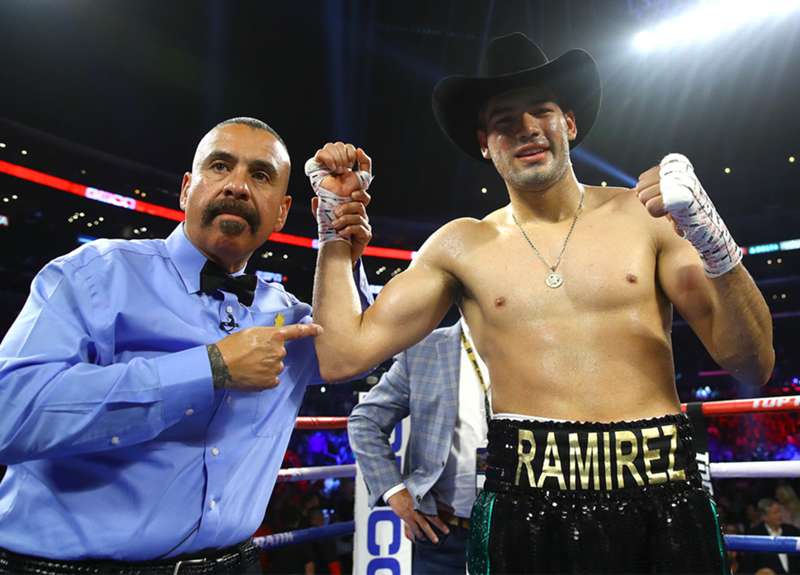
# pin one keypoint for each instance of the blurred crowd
(304, 504)
(759, 507)
(755, 437)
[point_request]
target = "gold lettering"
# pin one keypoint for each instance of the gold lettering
(607, 459)
(524, 458)
(672, 473)
(653, 477)
(589, 475)
(552, 469)
(625, 460)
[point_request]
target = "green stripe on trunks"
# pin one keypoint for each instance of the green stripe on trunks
(720, 544)
(480, 525)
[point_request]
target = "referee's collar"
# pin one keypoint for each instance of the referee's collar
(188, 259)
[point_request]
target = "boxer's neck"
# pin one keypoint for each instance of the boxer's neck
(553, 204)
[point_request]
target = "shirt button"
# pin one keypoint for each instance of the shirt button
(212, 504)
(214, 451)
(229, 309)
(115, 440)
(189, 411)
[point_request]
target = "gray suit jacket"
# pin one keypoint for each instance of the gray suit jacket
(423, 383)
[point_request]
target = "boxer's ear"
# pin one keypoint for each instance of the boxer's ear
(572, 125)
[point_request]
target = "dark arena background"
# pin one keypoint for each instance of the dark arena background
(102, 103)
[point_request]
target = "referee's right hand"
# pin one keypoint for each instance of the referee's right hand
(252, 359)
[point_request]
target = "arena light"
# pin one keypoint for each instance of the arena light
(129, 203)
(763, 249)
(585, 156)
(125, 202)
(709, 20)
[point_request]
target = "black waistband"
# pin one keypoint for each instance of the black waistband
(233, 559)
(574, 456)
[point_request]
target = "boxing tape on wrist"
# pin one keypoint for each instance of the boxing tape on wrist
(696, 217)
(329, 201)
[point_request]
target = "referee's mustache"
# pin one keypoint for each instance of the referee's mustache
(236, 207)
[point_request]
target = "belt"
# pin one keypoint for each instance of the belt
(229, 560)
(453, 520)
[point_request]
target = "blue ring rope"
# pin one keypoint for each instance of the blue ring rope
(304, 535)
(758, 543)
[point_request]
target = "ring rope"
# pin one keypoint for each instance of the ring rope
(725, 470)
(321, 423)
(762, 543)
(755, 469)
(757, 543)
(314, 473)
(754, 405)
(727, 407)
(277, 540)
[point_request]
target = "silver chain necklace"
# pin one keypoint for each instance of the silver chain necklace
(553, 279)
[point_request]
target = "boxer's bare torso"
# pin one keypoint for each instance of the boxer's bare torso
(598, 347)
(595, 349)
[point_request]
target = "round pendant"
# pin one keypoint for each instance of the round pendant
(554, 280)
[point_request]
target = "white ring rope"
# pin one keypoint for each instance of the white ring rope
(313, 473)
(755, 469)
(739, 469)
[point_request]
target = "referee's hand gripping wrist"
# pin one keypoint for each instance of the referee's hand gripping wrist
(340, 175)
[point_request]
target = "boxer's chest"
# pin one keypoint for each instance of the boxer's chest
(607, 264)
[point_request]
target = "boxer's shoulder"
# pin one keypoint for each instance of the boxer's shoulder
(607, 197)
(620, 206)
(464, 229)
(451, 239)
(619, 201)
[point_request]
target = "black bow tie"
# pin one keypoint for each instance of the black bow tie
(213, 278)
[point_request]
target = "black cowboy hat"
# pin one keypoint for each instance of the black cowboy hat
(513, 62)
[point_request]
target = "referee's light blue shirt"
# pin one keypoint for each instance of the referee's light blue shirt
(117, 443)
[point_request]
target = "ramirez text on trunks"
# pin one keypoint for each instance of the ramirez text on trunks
(572, 457)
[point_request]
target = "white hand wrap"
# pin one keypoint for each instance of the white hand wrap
(696, 217)
(329, 201)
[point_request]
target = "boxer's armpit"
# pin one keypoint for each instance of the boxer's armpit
(219, 369)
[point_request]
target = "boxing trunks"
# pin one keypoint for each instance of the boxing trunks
(567, 497)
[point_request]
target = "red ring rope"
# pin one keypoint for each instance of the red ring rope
(321, 423)
(754, 405)
(729, 407)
